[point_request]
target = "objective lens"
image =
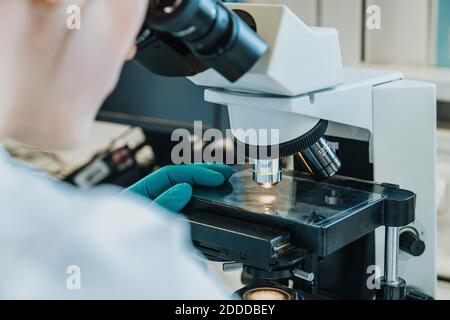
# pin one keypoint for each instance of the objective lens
(267, 173)
(320, 161)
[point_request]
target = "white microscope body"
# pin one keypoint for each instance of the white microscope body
(301, 81)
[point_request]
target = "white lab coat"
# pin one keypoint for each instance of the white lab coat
(60, 243)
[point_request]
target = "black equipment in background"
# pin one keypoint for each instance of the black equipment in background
(159, 104)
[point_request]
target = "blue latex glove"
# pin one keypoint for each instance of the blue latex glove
(171, 186)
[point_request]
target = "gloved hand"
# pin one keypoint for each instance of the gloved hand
(171, 186)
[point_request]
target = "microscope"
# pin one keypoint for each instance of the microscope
(353, 215)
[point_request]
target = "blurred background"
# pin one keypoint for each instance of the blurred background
(133, 132)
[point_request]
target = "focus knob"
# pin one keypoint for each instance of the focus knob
(410, 242)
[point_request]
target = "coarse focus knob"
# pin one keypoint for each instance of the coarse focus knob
(411, 243)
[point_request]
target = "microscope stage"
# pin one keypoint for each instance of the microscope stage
(295, 199)
(320, 217)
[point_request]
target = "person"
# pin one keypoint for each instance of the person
(57, 242)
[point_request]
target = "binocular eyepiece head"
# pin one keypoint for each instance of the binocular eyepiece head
(205, 30)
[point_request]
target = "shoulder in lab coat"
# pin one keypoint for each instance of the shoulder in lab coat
(59, 243)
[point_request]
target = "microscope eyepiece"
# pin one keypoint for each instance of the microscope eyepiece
(165, 6)
(187, 19)
(214, 35)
